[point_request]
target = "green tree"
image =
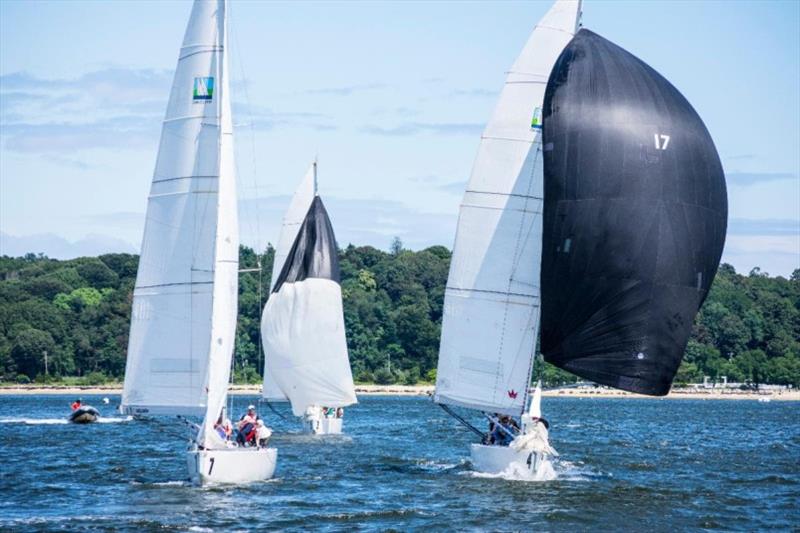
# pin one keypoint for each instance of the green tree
(29, 350)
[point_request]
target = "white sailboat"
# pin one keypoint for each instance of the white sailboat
(183, 321)
(302, 326)
(492, 299)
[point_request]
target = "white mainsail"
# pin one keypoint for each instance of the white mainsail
(295, 214)
(183, 321)
(491, 306)
(302, 326)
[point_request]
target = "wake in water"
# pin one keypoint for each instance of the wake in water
(56, 421)
(309, 438)
(549, 470)
(520, 472)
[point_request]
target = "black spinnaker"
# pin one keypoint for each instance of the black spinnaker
(314, 253)
(635, 213)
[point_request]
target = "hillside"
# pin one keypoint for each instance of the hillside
(78, 311)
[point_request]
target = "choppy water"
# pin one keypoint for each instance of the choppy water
(655, 465)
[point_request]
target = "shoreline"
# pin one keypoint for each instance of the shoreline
(693, 393)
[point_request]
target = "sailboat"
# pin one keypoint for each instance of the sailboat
(302, 326)
(581, 205)
(183, 322)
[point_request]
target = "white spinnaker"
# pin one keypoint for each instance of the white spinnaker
(303, 332)
(270, 390)
(491, 306)
(184, 305)
(292, 220)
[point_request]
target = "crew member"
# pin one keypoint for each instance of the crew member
(246, 426)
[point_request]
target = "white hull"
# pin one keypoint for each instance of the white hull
(234, 465)
(324, 426)
(504, 459)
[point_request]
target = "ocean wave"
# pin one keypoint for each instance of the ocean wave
(57, 421)
(34, 421)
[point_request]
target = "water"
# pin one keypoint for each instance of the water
(655, 465)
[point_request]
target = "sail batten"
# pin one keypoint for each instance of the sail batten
(491, 307)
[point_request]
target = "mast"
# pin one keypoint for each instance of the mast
(226, 260)
(491, 309)
(316, 187)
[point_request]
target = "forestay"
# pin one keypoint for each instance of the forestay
(634, 218)
(292, 220)
(185, 299)
(491, 309)
(303, 322)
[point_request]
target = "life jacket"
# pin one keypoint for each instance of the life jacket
(75, 406)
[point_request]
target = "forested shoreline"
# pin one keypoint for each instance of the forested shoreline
(78, 313)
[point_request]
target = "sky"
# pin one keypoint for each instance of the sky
(391, 97)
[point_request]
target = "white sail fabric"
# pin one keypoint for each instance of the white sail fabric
(304, 340)
(491, 307)
(185, 299)
(293, 219)
(270, 390)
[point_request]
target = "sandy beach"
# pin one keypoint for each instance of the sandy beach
(690, 393)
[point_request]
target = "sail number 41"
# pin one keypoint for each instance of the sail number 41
(661, 141)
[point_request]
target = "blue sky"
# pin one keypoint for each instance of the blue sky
(391, 96)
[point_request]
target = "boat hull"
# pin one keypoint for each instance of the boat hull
(84, 415)
(324, 426)
(235, 465)
(499, 459)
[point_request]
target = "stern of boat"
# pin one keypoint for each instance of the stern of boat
(234, 465)
(504, 459)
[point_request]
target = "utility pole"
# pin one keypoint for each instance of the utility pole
(45, 363)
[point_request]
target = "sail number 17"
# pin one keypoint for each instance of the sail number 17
(661, 141)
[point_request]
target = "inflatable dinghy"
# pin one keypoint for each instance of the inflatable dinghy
(85, 414)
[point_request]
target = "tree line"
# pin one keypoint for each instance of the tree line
(69, 320)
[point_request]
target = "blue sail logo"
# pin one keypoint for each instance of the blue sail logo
(203, 89)
(536, 119)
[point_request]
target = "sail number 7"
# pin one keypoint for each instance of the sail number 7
(661, 141)
(211, 468)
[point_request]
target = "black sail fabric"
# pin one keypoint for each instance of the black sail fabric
(314, 253)
(635, 213)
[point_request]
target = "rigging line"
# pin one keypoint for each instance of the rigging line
(515, 261)
(461, 419)
(258, 245)
(251, 127)
(532, 359)
(527, 198)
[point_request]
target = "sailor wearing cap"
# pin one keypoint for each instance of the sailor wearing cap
(247, 426)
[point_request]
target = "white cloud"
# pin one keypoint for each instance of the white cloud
(436, 128)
